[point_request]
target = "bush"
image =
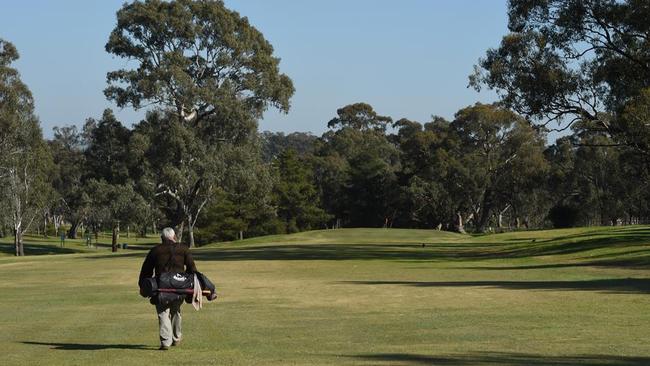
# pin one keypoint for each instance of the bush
(563, 216)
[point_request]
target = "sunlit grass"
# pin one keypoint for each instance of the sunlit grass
(353, 296)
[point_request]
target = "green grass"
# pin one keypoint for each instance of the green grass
(353, 296)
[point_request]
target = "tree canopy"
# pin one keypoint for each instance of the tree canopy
(573, 62)
(195, 57)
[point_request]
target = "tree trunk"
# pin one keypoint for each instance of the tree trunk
(486, 210)
(57, 220)
(179, 234)
(21, 245)
(128, 227)
(459, 223)
(18, 242)
(116, 236)
(74, 228)
(190, 231)
(241, 235)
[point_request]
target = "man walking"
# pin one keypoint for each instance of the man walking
(168, 257)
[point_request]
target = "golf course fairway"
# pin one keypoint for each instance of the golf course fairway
(344, 297)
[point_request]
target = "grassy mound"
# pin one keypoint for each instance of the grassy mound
(352, 236)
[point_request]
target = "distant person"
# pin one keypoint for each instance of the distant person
(168, 257)
(89, 239)
(62, 238)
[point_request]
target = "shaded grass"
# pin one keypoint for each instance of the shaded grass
(503, 359)
(39, 245)
(615, 286)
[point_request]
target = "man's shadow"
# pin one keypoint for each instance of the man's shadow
(90, 347)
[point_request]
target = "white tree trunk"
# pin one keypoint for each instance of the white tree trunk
(460, 227)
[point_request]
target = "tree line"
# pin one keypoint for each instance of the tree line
(197, 162)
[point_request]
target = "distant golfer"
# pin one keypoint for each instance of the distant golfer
(160, 259)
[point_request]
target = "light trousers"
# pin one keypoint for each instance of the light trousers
(169, 321)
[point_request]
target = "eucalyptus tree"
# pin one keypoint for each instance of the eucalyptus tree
(25, 161)
(106, 152)
(186, 170)
(296, 195)
(193, 56)
(424, 157)
(355, 167)
(275, 143)
(211, 71)
(113, 203)
(494, 152)
(244, 204)
(571, 61)
(67, 148)
(107, 161)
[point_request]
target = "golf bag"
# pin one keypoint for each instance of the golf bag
(174, 286)
(176, 280)
(206, 284)
(148, 287)
(169, 287)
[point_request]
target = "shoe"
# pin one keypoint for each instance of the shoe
(176, 343)
(163, 348)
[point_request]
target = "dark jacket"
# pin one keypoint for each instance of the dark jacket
(158, 260)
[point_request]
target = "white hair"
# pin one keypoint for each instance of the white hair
(168, 233)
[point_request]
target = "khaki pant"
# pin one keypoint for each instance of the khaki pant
(169, 321)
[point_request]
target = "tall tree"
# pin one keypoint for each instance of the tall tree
(25, 161)
(114, 204)
(244, 203)
(495, 151)
(425, 159)
(212, 72)
(571, 61)
(67, 149)
(187, 171)
(193, 56)
(356, 167)
(106, 154)
(275, 143)
(296, 195)
(359, 116)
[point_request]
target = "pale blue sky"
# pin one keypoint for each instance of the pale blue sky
(408, 58)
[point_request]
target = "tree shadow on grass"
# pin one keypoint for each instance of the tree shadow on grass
(612, 286)
(573, 245)
(129, 246)
(89, 347)
(423, 252)
(115, 255)
(36, 249)
(330, 252)
(631, 259)
(503, 359)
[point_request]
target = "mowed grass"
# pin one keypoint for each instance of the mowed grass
(347, 297)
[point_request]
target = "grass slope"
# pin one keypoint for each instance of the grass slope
(353, 296)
